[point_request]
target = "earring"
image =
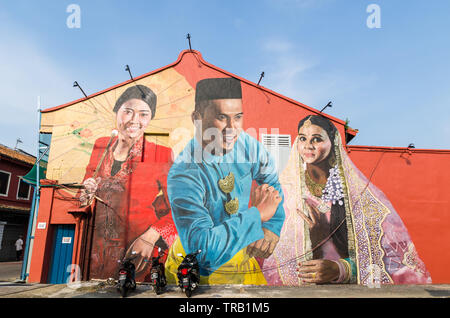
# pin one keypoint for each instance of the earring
(332, 160)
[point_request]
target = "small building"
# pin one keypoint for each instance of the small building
(15, 199)
(64, 227)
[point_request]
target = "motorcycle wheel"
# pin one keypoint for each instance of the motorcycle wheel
(123, 291)
(188, 292)
(158, 290)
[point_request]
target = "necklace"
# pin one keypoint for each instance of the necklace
(315, 188)
(334, 189)
(226, 185)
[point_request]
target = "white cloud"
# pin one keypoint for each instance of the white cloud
(278, 46)
(287, 68)
(293, 73)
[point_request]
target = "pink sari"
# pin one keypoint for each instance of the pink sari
(378, 241)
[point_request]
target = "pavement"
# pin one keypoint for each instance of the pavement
(99, 289)
(10, 271)
(12, 287)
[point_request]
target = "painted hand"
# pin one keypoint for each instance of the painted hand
(318, 226)
(90, 187)
(318, 271)
(266, 199)
(143, 246)
(264, 247)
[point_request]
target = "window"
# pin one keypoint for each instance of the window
(23, 191)
(279, 146)
(4, 183)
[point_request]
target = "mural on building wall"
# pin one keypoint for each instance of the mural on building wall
(128, 174)
(119, 146)
(157, 184)
(75, 128)
(339, 227)
(328, 224)
(210, 185)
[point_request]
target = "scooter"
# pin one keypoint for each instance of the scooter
(158, 274)
(189, 273)
(127, 275)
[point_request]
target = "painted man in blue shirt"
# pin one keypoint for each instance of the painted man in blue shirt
(210, 188)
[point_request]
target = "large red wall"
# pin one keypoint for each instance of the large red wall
(416, 182)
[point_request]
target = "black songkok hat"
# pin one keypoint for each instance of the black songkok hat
(137, 92)
(218, 88)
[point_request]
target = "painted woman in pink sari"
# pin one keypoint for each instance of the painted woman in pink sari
(339, 227)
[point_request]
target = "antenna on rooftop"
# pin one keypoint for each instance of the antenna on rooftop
(75, 84)
(188, 36)
(127, 68)
(17, 142)
(260, 77)
(327, 105)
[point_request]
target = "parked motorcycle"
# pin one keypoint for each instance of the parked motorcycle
(127, 274)
(189, 273)
(158, 274)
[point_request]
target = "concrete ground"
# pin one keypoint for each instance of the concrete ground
(11, 287)
(95, 289)
(10, 271)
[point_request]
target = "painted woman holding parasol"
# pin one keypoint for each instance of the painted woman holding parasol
(127, 174)
(339, 227)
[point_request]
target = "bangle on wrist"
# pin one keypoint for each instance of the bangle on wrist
(348, 270)
(342, 273)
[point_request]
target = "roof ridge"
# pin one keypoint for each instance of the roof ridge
(200, 58)
(18, 155)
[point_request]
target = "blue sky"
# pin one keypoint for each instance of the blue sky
(392, 83)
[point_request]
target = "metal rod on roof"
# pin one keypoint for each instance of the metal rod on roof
(188, 36)
(75, 84)
(17, 142)
(260, 77)
(127, 68)
(327, 105)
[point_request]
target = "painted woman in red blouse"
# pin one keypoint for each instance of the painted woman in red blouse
(128, 176)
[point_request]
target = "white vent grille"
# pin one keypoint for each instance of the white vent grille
(276, 140)
(279, 146)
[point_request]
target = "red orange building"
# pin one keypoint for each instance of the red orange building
(63, 229)
(15, 199)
